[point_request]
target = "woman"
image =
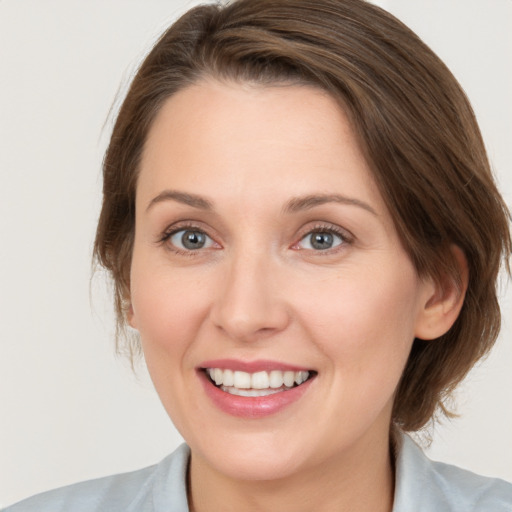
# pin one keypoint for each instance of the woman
(292, 219)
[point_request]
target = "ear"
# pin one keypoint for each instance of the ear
(129, 314)
(444, 300)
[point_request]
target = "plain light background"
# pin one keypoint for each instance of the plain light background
(69, 409)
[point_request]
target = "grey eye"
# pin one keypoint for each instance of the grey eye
(320, 241)
(191, 240)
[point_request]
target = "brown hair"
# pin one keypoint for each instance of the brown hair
(414, 124)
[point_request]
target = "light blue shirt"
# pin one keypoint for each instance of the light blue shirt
(421, 486)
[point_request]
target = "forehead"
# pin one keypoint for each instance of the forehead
(230, 138)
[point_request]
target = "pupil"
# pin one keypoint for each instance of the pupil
(193, 240)
(321, 241)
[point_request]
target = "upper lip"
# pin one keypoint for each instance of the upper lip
(258, 365)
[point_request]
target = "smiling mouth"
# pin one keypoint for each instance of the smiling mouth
(256, 384)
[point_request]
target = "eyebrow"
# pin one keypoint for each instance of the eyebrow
(181, 197)
(294, 205)
(311, 201)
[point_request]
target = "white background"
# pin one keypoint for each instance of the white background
(69, 410)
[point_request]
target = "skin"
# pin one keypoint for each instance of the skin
(258, 290)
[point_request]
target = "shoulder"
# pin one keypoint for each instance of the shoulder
(155, 488)
(424, 486)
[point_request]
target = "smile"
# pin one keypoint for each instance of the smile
(258, 384)
(254, 389)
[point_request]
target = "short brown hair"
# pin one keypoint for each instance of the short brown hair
(415, 126)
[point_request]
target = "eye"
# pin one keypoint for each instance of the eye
(320, 240)
(190, 240)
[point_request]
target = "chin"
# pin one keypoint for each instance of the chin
(255, 459)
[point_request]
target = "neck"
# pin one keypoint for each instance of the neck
(359, 480)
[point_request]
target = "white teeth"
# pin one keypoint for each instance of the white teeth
(301, 377)
(249, 392)
(271, 382)
(218, 376)
(276, 379)
(242, 380)
(289, 379)
(228, 378)
(260, 380)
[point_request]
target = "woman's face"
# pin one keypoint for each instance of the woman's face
(264, 255)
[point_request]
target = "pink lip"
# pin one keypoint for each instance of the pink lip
(251, 407)
(259, 365)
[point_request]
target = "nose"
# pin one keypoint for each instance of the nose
(249, 304)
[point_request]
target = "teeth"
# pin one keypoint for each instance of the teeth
(276, 379)
(255, 384)
(260, 380)
(249, 392)
(228, 378)
(242, 380)
(289, 379)
(301, 377)
(218, 376)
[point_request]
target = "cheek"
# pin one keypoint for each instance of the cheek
(365, 321)
(169, 308)
(169, 312)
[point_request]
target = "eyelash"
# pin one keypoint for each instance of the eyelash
(170, 232)
(345, 237)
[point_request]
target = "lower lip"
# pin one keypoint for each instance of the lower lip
(252, 406)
